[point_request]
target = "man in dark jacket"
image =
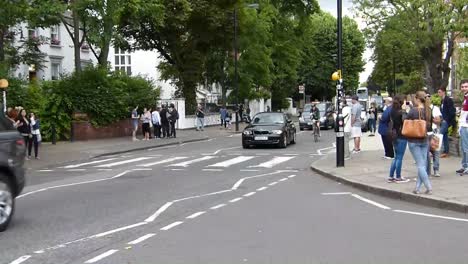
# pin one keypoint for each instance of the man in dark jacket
(164, 122)
(448, 115)
(173, 117)
(383, 130)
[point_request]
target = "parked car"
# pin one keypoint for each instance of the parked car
(269, 128)
(12, 154)
(364, 116)
(327, 116)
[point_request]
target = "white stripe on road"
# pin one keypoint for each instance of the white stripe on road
(231, 162)
(213, 170)
(250, 170)
(45, 170)
(337, 193)
(273, 183)
(370, 202)
(162, 161)
(249, 194)
(142, 169)
(141, 239)
(186, 163)
(291, 176)
(77, 170)
(431, 215)
(120, 229)
(86, 163)
(158, 212)
(271, 163)
(219, 150)
(122, 162)
(102, 256)
(284, 179)
(262, 189)
(21, 259)
(236, 200)
(217, 206)
(171, 225)
(195, 215)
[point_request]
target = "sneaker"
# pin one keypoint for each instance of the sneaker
(401, 180)
(416, 192)
(390, 180)
(355, 151)
(388, 158)
(436, 173)
(460, 170)
(428, 192)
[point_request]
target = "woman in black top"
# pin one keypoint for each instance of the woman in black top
(24, 127)
(399, 141)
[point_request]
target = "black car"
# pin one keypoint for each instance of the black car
(12, 154)
(269, 128)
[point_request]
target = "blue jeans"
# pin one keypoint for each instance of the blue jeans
(200, 123)
(419, 152)
(372, 125)
(444, 131)
(400, 149)
(464, 146)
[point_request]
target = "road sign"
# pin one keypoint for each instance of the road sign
(301, 89)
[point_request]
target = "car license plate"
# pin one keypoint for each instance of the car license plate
(261, 138)
(310, 123)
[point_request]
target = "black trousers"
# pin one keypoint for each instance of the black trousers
(165, 129)
(173, 130)
(33, 141)
(388, 146)
(157, 130)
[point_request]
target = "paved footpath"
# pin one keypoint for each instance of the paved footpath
(368, 171)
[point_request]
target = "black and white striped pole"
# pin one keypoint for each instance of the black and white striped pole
(337, 76)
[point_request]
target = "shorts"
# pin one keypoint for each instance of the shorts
(146, 127)
(356, 132)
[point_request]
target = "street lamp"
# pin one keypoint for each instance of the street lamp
(3, 86)
(236, 52)
(337, 76)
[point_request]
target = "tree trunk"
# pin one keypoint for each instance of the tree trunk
(437, 72)
(2, 45)
(76, 40)
(189, 92)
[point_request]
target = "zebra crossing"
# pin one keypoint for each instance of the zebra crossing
(207, 163)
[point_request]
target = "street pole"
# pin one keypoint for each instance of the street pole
(340, 92)
(236, 84)
(4, 86)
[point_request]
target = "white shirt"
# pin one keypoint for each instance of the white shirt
(155, 117)
(435, 113)
(346, 112)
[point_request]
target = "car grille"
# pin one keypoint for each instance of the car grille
(261, 132)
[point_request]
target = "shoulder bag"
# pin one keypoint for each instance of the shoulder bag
(415, 128)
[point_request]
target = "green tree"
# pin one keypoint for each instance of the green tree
(429, 24)
(462, 64)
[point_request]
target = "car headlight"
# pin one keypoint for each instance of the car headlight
(247, 132)
(301, 119)
(278, 132)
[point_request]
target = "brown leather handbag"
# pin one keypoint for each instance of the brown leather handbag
(416, 128)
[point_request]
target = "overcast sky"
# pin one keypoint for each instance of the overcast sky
(330, 6)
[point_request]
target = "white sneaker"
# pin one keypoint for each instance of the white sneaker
(436, 174)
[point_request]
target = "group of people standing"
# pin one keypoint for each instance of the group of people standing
(28, 126)
(426, 148)
(162, 121)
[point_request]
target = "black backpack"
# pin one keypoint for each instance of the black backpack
(391, 131)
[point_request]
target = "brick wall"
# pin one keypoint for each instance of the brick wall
(83, 130)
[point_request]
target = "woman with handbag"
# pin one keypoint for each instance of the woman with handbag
(415, 128)
(36, 136)
(24, 128)
(400, 142)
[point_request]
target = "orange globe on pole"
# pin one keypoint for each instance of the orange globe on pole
(335, 76)
(3, 84)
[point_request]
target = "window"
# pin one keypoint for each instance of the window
(129, 59)
(55, 35)
(56, 68)
(122, 62)
(32, 33)
(129, 70)
(117, 60)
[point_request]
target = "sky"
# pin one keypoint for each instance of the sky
(330, 6)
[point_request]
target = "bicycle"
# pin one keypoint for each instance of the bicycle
(316, 129)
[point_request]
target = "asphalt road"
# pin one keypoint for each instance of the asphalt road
(213, 202)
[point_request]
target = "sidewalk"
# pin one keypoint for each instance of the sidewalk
(368, 171)
(66, 151)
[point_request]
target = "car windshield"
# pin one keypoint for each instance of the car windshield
(268, 118)
(321, 107)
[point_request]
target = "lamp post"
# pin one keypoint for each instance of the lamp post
(236, 55)
(337, 76)
(4, 86)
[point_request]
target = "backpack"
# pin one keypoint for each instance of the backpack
(391, 131)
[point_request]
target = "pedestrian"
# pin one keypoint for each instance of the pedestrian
(346, 112)
(241, 111)
(24, 128)
(164, 121)
(227, 120)
(36, 135)
(11, 114)
(463, 128)
(419, 146)
(356, 131)
(384, 129)
(436, 124)
(268, 108)
(146, 120)
(135, 118)
(372, 120)
(448, 119)
(200, 118)
(249, 118)
(156, 120)
(173, 117)
(222, 113)
(397, 115)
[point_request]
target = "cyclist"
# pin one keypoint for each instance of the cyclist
(315, 117)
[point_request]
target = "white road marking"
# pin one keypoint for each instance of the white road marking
(186, 163)
(195, 215)
(162, 161)
(337, 193)
(432, 215)
(158, 212)
(71, 184)
(291, 154)
(39, 252)
(120, 229)
(217, 206)
(236, 200)
(102, 256)
(86, 163)
(239, 182)
(219, 150)
(213, 170)
(249, 194)
(273, 183)
(122, 162)
(262, 189)
(370, 202)
(250, 170)
(291, 176)
(284, 179)
(203, 195)
(171, 225)
(141, 239)
(104, 169)
(319, 151)
(231, 162)
(177, 169)
(271, 163)
(77, 170)
(142, 169)
(21, 259)
(45, 170)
